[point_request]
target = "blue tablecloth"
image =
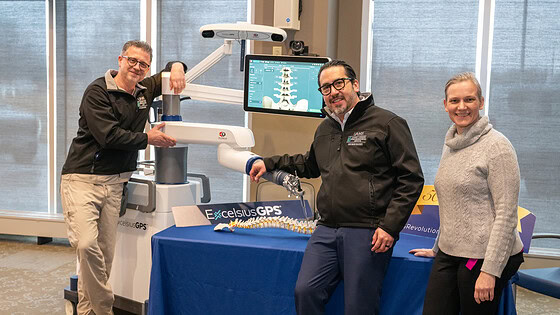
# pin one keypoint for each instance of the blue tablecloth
(198, 271)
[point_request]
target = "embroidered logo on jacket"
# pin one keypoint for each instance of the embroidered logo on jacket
(141, 102)
(358, 138)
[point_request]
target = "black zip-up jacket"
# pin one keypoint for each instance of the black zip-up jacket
(111, 125)
(371, 176)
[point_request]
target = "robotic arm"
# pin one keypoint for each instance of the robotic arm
(229, 32)
(233, 143)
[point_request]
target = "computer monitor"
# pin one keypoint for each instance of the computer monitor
(283, 85)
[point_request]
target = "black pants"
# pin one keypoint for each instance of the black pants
(451, 286)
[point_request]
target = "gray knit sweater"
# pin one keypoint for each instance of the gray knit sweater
(477, 185)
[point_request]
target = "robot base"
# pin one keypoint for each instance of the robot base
(122, 306)
(130, 273)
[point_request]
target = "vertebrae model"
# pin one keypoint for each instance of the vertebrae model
(295, 225)
(285, 96)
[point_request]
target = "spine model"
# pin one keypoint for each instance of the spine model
(294, 225)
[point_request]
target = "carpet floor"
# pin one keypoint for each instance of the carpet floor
(33, 278)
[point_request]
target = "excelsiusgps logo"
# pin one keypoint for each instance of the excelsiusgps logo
(133, 225)
(232, 214)
(225, 212)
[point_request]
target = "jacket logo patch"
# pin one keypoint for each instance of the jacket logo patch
(358, 138)
(141, 102)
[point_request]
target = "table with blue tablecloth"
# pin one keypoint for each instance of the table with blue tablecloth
(196, 270)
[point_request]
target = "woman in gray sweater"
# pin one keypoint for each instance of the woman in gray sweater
(478, 248)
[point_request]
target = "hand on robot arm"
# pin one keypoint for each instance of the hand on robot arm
(177, 80)
(158, 138)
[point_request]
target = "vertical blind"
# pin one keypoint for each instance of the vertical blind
(525, 102)
(419, 45)
(23, 100)
(180, 39)
(89, 39)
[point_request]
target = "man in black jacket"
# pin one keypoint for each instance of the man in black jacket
(371, 180)
(102, 157)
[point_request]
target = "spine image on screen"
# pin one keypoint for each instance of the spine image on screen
(285, 85)
(285, 94)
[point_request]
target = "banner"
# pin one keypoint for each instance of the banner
(424, 220)
(225, 212)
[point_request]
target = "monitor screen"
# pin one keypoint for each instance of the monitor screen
(283, 85)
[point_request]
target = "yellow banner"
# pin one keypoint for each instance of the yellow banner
(428, 197)
(521, 213)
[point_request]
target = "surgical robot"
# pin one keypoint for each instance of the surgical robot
(152, 193)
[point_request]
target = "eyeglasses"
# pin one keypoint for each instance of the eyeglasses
(133, 61)
(338, 84)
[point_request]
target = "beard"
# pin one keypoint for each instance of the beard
(340, 109)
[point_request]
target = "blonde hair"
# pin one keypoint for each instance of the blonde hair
(465, 76)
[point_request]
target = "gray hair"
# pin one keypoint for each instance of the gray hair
(465, 76)
(137, 43)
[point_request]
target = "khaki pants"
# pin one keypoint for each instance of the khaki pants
(91, 205)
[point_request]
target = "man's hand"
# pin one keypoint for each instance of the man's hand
(160, 139)
(423, 252)
(257, 170)
(484, 287)
(381, 241)
(177, 78)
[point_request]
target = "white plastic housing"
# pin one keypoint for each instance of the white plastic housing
(244, 30)
(130, 273)
(194, 133)
(286, 14)
(235, 159)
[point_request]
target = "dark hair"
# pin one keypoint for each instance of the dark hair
(338, 63)
(138, 43)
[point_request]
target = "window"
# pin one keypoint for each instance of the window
(23, 99)
(417, 47)
(89, 39)
(524, 101)
(180, 39)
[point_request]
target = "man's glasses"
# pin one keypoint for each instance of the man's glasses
(338, 84)
(133, 61)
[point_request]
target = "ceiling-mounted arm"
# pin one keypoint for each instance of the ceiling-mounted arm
(229, 32)
(210, 61)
